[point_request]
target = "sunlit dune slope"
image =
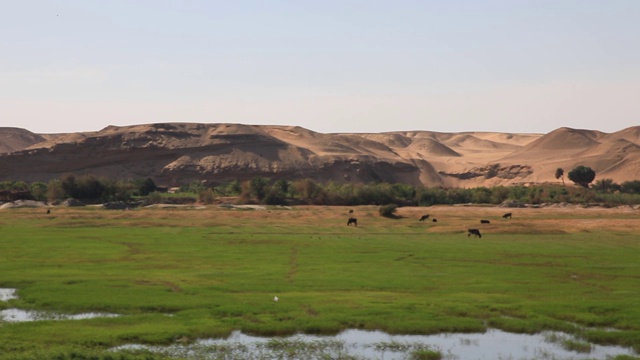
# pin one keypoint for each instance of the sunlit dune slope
(179, 153)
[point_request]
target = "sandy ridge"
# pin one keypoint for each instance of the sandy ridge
(174, 153)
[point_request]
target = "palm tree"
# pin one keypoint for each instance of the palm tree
(560, 174)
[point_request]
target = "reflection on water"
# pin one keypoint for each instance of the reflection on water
(493, 344)
(357, 344)
(7, 294)
(19, 315)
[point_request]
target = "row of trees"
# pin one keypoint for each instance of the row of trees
(306, 191)
(87, 188)
(91, 189)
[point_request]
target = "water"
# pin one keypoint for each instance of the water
(7, 294)
(19, 315)
(358, 344)
(355, 344)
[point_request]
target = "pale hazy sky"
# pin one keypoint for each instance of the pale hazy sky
(329, 66)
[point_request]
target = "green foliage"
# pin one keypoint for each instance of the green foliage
(283, 186)
(55, 190)
(258, 187)
(560, 174)
(207, 197)
(617, 199)
(308, 190)
(194, 187)
(233, 188)
(89, 188)
(373, 194)
(88, 354)
(432, 196)
(606, 186)
(499, 194)
(481, 195)
(630, 187)
(145, 186)
(275, 196)
(154, 198)
(388, 210)
(6, 185)
(582, 175)
(404, 192)
(39, 191)
(425, 354)
(14, 185)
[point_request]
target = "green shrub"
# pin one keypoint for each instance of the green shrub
(388, 210)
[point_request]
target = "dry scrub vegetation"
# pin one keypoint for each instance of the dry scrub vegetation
(450, 219)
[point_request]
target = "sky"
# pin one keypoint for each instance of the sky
(520, 66)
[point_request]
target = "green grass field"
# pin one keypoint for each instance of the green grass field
(187, 274)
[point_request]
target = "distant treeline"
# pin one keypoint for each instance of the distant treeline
(281, 192)
(87, 188)
(262, 190)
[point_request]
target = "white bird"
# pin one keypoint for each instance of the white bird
(275, 299)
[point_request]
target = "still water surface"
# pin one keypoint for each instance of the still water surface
(7, 294)
(359, 344)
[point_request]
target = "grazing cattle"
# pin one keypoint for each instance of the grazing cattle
(424, 217)
(48, 211)
(506, 216)
(475, 232)
(434, 220)
(485, 222)
(353, 221)
(351, 211)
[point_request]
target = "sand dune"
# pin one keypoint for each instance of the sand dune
(178, 153)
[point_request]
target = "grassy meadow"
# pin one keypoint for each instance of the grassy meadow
(179, 274)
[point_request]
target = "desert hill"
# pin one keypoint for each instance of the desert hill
(180, 153)
(15, 139)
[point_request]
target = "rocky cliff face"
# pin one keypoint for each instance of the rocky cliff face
(179, 153)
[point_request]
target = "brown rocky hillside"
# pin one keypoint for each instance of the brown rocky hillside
(179, 153)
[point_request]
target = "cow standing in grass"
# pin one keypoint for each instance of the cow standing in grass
(474, 232)
(424, 217)
(353, 221)
(507, 216)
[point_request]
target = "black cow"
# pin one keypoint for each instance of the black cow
(48, 211)
(434, 220)
(506, 216)
(475, 232)
(424, 217)
(353, 221)
(485, 222)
